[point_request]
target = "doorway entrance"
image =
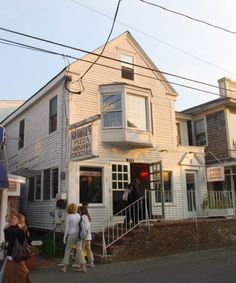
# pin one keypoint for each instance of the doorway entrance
(191, 192)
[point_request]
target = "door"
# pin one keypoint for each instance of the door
(156, 194)
(191, 193)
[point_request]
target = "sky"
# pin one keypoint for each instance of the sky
(175, 44)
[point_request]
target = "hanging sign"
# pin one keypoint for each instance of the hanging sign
(215, 173)
(83, 143)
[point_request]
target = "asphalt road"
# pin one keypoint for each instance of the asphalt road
(216, 266)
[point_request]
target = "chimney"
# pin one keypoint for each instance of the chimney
(227, 87)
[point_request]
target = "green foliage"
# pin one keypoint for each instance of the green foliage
(48, 249)
(216, 201)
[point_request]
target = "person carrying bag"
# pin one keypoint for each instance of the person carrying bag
(15, 270)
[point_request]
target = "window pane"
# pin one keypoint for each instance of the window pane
(21, 133)
(53, 114)
(127, 70)
(199, 126)
(46, 184)
(167, 183)
(128, 59)
(91, 184)
(31, 189)
(111, 102)
(136, 112)
(38, 187)
(54, 182)
(112, 119)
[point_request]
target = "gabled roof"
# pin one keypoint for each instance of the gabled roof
(223, 101)
(127, 35)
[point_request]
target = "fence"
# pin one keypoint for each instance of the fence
(167, 205)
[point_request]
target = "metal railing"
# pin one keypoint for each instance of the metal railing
(177, 205)
(218, 203)
(123, 222)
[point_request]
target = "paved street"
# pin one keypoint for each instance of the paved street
(196, 267)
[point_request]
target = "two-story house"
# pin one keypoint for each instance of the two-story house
(213, 124)
(84, 139)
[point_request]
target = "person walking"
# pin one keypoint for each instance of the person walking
(71, 237)
(87, 242)
(15, 271)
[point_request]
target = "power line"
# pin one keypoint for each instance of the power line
(189, 17)
(21, 45)
(104, 47)
(156, 39)
(109, 58)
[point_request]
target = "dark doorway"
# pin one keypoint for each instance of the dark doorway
(140, 171)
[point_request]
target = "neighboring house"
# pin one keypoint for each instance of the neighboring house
(213, 124)
(8, 106)
(88, 146)
(9, 183)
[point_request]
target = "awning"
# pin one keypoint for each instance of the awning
(3, 176)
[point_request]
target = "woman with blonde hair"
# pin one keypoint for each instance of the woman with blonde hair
(71, 237)
(87, 242)
(15, 271)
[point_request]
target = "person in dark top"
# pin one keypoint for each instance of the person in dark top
(132, 197)
(15, 271)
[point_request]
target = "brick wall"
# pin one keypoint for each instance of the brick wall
(174, 237)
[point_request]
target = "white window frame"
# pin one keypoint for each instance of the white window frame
(124, 91)
(126, 65)
(200, 133)
(171, 189)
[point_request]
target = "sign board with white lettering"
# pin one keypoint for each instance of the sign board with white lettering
(83, 143)
(215, 173)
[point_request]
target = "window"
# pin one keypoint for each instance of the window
(46, 184)
(136, 112)
(119, 176)
(53, 114)
(37, 195)
(119, 183)
(91, 184)
(31, 189)
(200, 134)
(190, 132)
(48, 187)
(54, 182)
(167, 183)
(21, 133)
(178, 134)
(127, 71)
(112, 111)
(232, 126)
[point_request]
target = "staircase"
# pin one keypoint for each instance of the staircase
(119, 230)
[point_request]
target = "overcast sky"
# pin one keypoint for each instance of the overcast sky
(175, 44)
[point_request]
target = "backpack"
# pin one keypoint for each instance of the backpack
(83, 229)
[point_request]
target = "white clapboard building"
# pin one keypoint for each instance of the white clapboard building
(87, 133)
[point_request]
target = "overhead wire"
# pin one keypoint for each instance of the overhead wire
(22, 45)
(189, 17)
(99, 56)
(156, 39)
(109, 58)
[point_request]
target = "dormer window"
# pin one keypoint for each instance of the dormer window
(127, 70)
